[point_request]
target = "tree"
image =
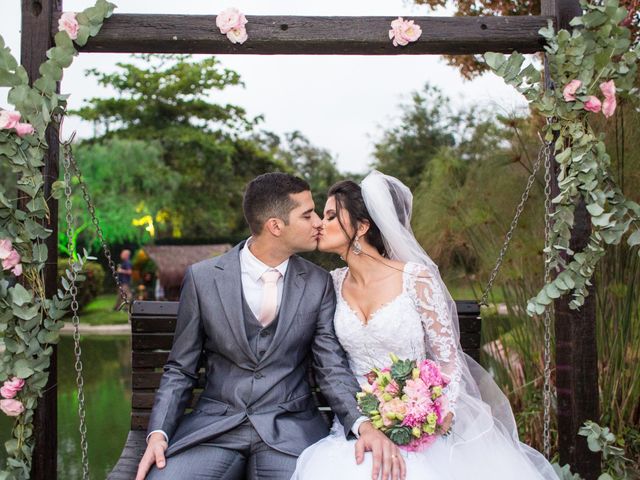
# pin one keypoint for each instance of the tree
(207, 145)
(472, 65)
(314, 164)
(133, 208)
(424, 127)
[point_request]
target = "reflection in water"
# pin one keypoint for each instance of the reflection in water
(107, 380)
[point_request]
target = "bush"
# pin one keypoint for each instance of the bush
(91, 287)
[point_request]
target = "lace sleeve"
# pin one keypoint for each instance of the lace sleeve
(440, 335)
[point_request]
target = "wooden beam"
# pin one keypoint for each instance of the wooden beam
(576, 349)
(36, 39)
(298, 35)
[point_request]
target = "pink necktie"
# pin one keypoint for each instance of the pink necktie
(269, 297)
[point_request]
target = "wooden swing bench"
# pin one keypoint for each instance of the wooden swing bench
(152, 329)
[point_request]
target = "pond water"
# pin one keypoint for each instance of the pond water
(107, 379)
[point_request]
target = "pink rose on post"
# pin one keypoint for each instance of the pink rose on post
(10, 388)
(10, 257)
(69, 24)
(24, 129)
(5, 248)
(570, 89)
(11, 408)
(592, 104)
(404, 31)
(608, 89)
(8, 119)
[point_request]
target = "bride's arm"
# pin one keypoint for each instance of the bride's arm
(440, 334)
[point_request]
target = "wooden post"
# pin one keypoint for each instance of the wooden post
(576, 349)
(36, 39)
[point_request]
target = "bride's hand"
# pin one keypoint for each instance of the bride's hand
(388, 463)
(447, 422)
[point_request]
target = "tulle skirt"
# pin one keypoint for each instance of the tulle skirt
(478, 448)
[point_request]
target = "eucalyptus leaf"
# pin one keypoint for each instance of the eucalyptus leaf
(22, 368)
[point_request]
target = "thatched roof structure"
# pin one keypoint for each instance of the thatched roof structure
(172, 262)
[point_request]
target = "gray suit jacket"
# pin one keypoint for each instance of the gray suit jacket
(272, 392)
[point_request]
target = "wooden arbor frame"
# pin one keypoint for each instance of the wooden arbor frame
(576, 356)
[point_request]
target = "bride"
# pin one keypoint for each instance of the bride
(391, 299)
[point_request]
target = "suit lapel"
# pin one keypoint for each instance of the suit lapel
(229, 284)
(293, 290)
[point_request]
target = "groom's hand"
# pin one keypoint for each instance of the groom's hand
(153, 454)
(387, 461)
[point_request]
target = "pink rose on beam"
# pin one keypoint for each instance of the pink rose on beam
(8, 119)
(10, 388)
(570, 89)
(404, 31)
(24, 129)
(592, 104)
(68, 23)
(608, 89)
(230, 19)
(237, 35)
(11, 408)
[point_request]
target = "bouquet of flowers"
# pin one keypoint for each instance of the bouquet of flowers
(406, 402)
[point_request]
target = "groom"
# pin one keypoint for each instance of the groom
(257, 315)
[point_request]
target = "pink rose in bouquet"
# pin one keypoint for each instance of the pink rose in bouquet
(406, 401)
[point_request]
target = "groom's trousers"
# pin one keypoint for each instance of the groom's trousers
(235, 455)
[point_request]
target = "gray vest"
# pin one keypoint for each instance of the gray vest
(259, 337)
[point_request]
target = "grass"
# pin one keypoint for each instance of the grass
(462, 289)
(100, 312)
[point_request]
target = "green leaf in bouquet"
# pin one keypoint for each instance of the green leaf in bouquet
(399, 435)
(368, 403)
(402, 370)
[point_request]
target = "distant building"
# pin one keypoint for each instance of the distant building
(172, 262)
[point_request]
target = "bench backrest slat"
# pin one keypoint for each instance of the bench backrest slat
(153, 325)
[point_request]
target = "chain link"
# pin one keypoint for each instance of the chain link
(542, 153)
(546, 389)
(96, 224)
(74, 268)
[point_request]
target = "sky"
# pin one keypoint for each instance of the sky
(341, 103)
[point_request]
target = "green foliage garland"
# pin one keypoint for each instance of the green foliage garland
(29, 321)
(598, 50)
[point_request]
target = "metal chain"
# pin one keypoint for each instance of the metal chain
(73, 267)
(546, 389)
(542, 153)
(96, 224)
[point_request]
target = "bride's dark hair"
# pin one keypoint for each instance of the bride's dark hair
(348, 196)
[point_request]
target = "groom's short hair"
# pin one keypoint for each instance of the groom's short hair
(267, 196)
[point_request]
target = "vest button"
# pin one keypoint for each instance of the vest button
(258, 375)
(249, 411)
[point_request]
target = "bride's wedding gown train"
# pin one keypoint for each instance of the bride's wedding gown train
(416, 324)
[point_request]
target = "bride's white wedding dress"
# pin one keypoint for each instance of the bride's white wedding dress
(417, 323)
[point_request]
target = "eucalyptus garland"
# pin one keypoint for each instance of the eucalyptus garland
(29, 321)
(591, 67)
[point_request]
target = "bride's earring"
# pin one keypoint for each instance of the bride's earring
(357, 248)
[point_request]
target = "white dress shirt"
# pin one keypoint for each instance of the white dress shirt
(251, 270)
